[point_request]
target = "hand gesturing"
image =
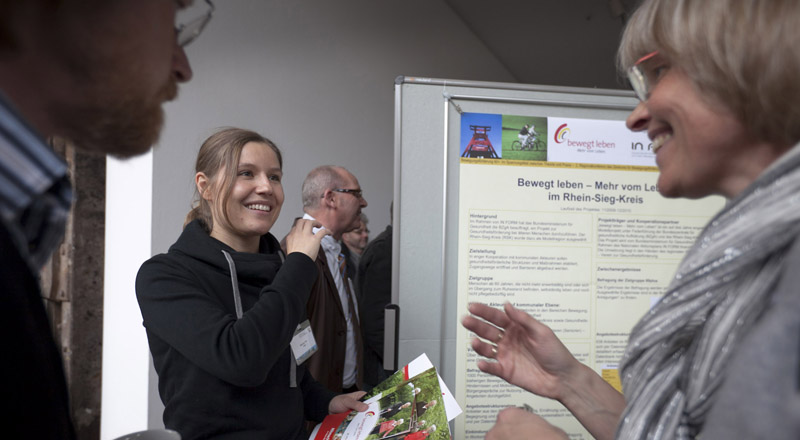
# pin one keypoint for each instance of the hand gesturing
(526, 352)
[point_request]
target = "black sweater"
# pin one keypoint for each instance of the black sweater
(219, 376)
(33, 392)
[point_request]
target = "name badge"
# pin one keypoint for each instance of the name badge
(303, 343)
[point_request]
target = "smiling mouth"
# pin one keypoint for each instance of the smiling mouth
(659, 141)
(264, 208)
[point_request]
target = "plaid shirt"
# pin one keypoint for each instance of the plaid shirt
(35, 192)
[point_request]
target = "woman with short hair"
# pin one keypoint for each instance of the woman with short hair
(717, 357)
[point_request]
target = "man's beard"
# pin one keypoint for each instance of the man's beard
(120, 124)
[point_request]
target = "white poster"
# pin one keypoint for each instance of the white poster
(567, 224)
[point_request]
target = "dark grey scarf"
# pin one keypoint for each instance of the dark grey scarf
(678, 353)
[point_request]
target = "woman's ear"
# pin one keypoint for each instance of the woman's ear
(203, 184)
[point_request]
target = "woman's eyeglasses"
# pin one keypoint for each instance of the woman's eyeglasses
(642, 79)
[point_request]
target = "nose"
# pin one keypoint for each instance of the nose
(639, 118)
(181, 70)
(264, 186)
(363, 202)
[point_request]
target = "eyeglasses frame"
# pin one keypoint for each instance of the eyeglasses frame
(197, 29)
(357, 193)
(638, 79)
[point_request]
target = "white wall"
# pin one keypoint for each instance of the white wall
(125, 352)
(315, 76)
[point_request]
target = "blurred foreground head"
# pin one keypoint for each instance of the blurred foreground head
(96, 72)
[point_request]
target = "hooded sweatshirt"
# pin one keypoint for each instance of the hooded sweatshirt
(221, 375)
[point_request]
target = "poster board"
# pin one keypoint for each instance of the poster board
(467, 229)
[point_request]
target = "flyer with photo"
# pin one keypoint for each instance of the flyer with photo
(415, 367)
(401, 408)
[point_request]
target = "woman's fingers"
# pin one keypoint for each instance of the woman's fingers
(321, 233)
(303, 239)
(490, 314)
(484, 349)
(522, 318)
(482, 329)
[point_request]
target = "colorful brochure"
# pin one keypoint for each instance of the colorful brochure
(412, 404)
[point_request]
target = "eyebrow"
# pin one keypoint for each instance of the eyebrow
(252, 165)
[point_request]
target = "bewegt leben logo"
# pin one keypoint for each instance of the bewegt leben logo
(561, 133)
(581, 143)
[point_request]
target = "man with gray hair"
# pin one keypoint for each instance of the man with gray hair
(333, 197)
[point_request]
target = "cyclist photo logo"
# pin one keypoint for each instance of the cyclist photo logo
(561, 133)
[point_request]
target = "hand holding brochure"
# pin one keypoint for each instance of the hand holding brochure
(412, 404)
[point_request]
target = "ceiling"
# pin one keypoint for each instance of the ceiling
(563, 42)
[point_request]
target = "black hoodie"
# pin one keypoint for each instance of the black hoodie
(219, 376)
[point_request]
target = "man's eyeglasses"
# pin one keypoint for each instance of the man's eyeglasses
(188, 31)
(642, 80)
(357, 193)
